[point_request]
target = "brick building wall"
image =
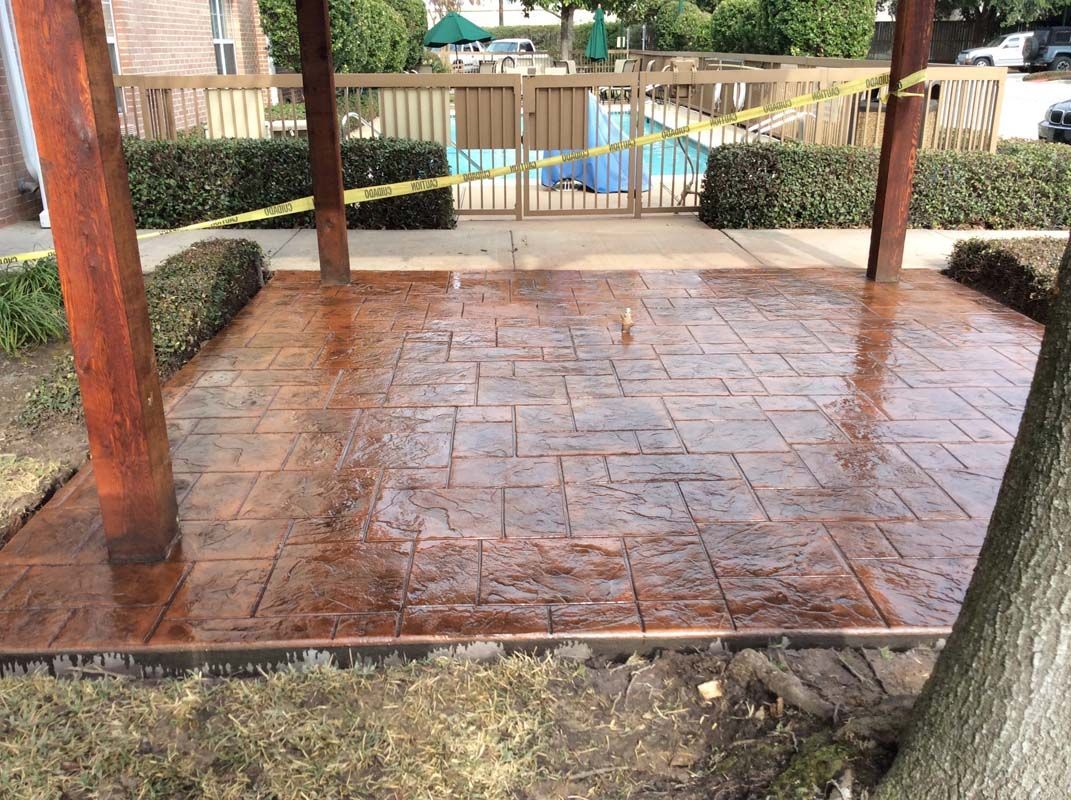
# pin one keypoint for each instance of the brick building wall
(174, 37)
(14, 205)
(153, 37)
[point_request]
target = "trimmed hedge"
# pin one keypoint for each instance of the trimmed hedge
(191, 296)
(1021, 273)
(191, 180)
(1022, 185)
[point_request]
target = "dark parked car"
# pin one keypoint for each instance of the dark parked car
(1056, 127)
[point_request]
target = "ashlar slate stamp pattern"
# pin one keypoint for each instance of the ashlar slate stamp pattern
(454, 455)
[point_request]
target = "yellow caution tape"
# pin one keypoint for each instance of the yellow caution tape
(402, 188)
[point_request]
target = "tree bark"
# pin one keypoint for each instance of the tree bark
(566, 32)
(995, 719)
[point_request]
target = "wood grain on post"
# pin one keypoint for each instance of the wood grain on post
(900, 141)
(72, 102)
(325, 152)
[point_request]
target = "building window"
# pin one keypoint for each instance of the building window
(113, 50)
(221, 42)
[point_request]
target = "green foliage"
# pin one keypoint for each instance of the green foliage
(736, 27)
(414, 15)
(1021, 273)
(812, 186)
(31, 305)
(546, 38)
(819, 27)
(178, 183)
(366, 35)
(678, 28)
(190, 297)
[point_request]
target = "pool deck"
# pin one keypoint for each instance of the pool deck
(428, 458)
(657, 242)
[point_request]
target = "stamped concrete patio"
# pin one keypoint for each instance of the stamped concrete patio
(429, 456)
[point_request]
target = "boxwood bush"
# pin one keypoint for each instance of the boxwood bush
(175, 183)
(1021, 273)
(682, 26)
(1022, 185)
(190, 296)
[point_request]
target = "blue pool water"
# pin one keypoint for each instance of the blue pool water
(673, 157)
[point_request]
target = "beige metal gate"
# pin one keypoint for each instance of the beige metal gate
(566, 113)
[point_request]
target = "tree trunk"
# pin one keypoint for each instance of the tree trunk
(995, 719)
(501, 13)
(566, 32)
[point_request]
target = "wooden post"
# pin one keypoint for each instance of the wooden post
(325, 152)
(72, 102)
(900, 141)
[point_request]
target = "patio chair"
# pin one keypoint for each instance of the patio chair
(569, 64)
(487, 67)
(622, 66)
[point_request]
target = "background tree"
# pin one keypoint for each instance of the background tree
(991, 16)
(366, 35)
(994, 719)
(630, 10)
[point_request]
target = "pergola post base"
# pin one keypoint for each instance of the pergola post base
(900, 141)
(72, 102)
(325, 150)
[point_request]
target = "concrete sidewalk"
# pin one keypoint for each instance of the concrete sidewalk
(580, 243)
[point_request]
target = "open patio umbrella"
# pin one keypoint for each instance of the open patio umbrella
(455, 29)
(597, 49)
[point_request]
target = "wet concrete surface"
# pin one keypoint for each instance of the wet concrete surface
(437, 456)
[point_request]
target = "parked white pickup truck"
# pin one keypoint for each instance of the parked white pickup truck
(1007, 50)
(506, 52)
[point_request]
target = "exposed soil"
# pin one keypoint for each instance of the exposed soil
(776, 723)
(32, 464)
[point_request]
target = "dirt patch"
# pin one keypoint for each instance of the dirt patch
(783, 724)
(32, 464)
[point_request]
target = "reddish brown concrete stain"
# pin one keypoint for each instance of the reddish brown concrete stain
(441, 455)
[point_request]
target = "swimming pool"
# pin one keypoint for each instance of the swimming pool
(672, 157)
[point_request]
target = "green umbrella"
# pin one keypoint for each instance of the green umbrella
(455, 29)
(597, 49)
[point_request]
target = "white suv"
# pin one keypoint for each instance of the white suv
(1004, 51)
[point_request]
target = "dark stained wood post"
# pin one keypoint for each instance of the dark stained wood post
(325, 154)
(900, 141)
(72, 102)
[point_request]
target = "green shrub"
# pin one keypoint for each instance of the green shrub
(547, 38)
(1021, 273)
(819, 27)
(191, 296)
(682, 27)
(414, 15)
(814, 186)
(736, 27)
(31, 305)
(178, 183)
(366, 35)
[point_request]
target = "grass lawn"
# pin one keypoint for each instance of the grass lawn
(515, 727)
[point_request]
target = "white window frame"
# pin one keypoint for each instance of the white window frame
(113, 50)
(217, 12)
